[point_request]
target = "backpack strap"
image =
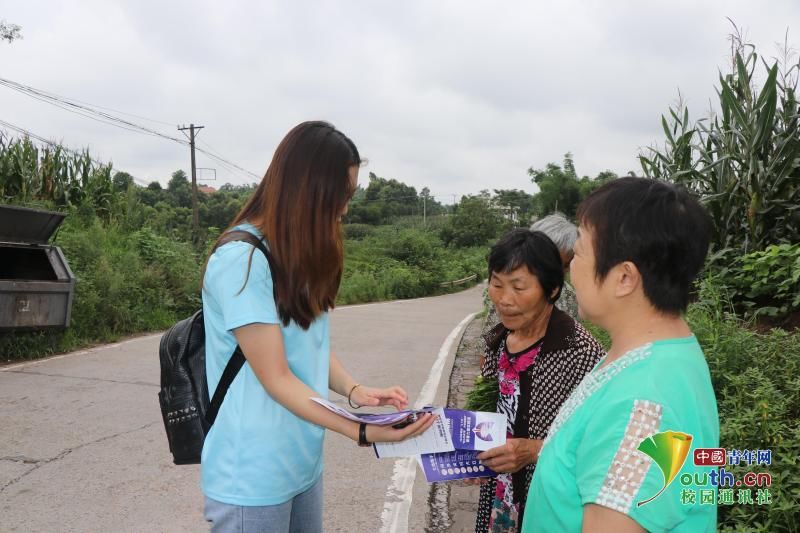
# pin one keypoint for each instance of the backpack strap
(235, 364)
(237, 360)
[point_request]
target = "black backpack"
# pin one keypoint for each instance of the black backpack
(185, 406)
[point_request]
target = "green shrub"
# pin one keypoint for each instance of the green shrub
(357, 231)
(757, 382)
(484, 396)
(766, 282)
(360, 287)
(404, 262)
(125, 283)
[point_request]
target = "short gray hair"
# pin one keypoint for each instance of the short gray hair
(560, 230)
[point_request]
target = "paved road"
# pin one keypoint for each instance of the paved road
(82, 447)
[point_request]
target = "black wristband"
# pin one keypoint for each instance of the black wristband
(362, 435)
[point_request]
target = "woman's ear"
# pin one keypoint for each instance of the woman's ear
(553, 294)
(627, 279)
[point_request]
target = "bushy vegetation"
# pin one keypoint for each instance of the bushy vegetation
(766, 283)
(560, 188)
(390, 262)
(127, 282)
(757, 382)
(743, 160)
(137, 258)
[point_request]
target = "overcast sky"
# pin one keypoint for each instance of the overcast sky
(457, 96)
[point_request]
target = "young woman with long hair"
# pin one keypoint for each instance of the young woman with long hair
(262, 460)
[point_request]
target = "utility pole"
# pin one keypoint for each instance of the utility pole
(195, 213)
(425, 211)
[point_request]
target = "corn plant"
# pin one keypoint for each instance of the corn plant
(744, 160)
(54, 175)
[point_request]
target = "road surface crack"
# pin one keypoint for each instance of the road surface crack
(38, 463)
(29, 372)
(21, 459)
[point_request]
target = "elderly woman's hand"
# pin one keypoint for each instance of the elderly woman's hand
(514, 455)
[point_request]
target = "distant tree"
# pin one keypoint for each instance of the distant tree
(397, 197)
(428, 203)
(561, 190)
(152, 194)
(359, 195)
(475, 222)
(239, 189)
(382, 200)
(516, 204)
(179, 189)
(122, 181)
(9, 32)
(588, 185)
(558, 188)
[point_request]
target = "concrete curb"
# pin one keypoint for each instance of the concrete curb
(452, 506)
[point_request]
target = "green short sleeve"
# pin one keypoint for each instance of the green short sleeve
(611, 471)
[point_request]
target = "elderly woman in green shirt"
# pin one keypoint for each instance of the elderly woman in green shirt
(614, 454)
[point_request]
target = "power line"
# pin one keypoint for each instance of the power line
(82, 110)
(228, 163)
(54, 144)
(230, 167)
(64, 98)
(393, 198)
(94, 113)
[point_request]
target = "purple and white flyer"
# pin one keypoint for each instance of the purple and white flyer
(449, 466)
(435, 440)
(476, 430)
(471, 432)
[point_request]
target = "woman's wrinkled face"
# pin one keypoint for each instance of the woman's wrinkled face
(518, 297)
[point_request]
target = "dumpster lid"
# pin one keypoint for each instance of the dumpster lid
(26, 225)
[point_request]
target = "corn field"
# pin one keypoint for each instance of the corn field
(53, 175)
(743, 161)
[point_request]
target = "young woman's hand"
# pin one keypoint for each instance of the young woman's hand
(372, 397)
(390, 434)
(512, 456)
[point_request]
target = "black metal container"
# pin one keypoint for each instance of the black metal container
(36, 284)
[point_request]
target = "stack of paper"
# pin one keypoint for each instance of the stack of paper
(449, 449)
(471, 432)
(379, 419)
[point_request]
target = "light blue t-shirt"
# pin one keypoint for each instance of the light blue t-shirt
(257, 452)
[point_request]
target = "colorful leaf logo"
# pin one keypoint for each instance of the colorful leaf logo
(669, 450)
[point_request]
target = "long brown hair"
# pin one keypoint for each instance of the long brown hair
(297, 207)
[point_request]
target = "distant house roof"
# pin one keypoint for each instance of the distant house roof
(205, 189)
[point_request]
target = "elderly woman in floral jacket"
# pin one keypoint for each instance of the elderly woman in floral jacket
(538, 354)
